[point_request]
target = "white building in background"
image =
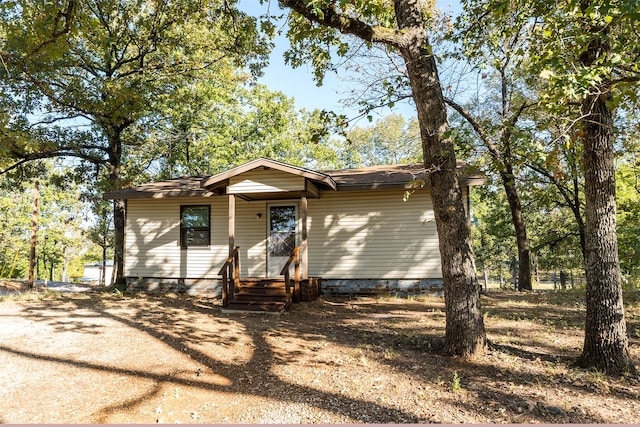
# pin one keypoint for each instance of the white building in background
(93, 272)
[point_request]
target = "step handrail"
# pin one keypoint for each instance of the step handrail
(295, 258)
(230, 273)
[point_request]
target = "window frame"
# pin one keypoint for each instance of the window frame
(184, 230)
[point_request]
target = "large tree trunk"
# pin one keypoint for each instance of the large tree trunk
(524, 258)
(465, 333)
(605, 340)
(119, 206)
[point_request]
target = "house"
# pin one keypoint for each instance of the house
(353, 228)
(95, 272)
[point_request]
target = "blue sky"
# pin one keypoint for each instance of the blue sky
(299, 84)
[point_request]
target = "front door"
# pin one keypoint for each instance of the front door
(281, 236)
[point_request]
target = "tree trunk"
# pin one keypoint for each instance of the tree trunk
(605, 342)
(519, 225)
(119, 213)
(605, 339)
(575, 206)
(119, 206)
(103, 271)
(34, 233)
(465, 333)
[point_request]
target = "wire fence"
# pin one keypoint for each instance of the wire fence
(543, 281)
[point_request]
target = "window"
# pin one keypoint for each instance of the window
(195, 226)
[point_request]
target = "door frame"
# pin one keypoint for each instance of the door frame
(280, 260)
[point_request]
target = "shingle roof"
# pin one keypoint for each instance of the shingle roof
(186, 186)
(394, 176)
(368, 178)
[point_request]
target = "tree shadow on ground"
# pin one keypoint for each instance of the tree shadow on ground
(387, 327)
(161, 325)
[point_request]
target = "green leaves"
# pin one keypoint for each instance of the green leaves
(61, 218)
(107, 66)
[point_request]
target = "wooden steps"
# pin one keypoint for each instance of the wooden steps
(254, 307)
(258, 295)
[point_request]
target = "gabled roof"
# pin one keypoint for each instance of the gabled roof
(223, 177)
(368, 178)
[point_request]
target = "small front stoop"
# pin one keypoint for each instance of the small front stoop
(258, 295)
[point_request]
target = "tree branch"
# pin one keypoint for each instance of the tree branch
(477, 127)
(54, 154)
(564, 191)
(330, 17)
(67, 15)
(555, 241)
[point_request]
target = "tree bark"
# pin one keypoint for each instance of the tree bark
(519, 225)
(34, 232)
(119, 213)
(605, 343)
(119, 206)
(465, 333)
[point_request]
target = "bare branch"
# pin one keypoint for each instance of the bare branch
(554, 241)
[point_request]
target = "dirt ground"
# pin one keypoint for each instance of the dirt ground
(93, 357)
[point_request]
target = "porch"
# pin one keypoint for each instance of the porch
(262, 294)
(280, 193)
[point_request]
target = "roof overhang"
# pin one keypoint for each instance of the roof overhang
(217, 183)
(387, 177)
(177, 187)
(392, 177)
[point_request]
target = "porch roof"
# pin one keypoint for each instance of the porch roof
(222, 179)
(368, 178)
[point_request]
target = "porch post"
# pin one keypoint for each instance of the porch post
(304, 270)
(232, 222)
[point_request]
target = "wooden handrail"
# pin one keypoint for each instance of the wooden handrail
(229, 260)
(230, 273)
(295, 258)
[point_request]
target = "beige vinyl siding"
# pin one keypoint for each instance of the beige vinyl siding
(373, 235)
(265, 181)
(152, 239)
(352, 235)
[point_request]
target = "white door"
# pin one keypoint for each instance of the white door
(282, 224)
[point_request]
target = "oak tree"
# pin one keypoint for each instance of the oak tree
(588, 60)
(95, 70)
(403, 27)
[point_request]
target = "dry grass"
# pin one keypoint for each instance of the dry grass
(105, 358)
